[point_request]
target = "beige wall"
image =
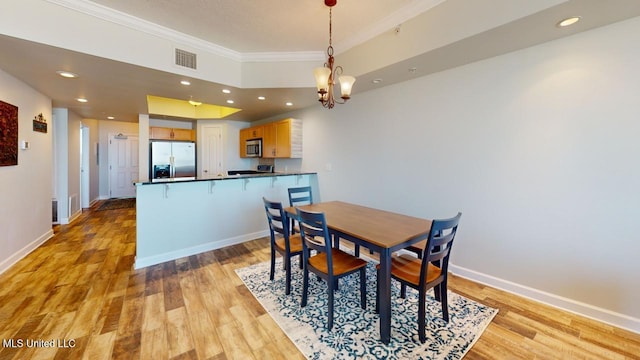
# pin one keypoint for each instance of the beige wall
(26, 189)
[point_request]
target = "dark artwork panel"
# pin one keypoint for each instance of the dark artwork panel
(8, 134)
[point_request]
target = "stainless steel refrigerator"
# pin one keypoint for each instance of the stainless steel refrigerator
(172, 159)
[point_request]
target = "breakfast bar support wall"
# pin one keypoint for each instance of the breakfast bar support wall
(201, 215)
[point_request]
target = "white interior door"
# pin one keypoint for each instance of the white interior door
(211, 151)
(123, 165)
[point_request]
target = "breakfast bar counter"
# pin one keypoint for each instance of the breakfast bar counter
(186, 216)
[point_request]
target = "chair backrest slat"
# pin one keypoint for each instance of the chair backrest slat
(300, 196)
(276, 217)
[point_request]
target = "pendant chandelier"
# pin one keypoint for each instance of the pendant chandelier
(326, 75)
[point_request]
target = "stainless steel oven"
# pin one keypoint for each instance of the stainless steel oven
(254, 148)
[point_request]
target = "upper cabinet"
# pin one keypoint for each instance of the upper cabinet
(282, 139)
(255, 132)
(162, 133)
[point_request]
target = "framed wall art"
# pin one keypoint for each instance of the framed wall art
(8, 134)
(40, 123)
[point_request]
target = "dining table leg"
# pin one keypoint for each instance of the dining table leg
(384, 286)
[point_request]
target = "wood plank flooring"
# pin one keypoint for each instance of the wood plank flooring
(80, 291)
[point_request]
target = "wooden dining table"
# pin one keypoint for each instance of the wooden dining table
(378, 230)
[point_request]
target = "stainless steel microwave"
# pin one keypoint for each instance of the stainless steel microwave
(254, 148)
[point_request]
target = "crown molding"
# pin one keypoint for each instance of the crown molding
(123, 19)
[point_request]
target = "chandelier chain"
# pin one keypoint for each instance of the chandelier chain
(329, 27)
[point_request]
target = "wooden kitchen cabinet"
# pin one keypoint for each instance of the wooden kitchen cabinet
(162, 133)
(256, 132)
(244, 136)
(282, 139)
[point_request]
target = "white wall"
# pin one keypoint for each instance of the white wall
(208, 211)
(25, 189)
(539, 150)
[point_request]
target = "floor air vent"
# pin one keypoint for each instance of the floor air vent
(186, 59)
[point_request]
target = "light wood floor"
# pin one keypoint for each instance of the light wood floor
(79, 288)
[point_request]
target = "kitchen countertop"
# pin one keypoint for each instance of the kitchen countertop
(221, 177)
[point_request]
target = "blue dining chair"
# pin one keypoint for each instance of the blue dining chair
(429, 270)
(299, 196)
(282, 241)
(329, 263)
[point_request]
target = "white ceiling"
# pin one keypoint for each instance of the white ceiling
(434, 35)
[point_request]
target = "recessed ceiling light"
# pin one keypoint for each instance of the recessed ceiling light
(185, 82)
(226, 91)
(289, 103)
(568, 21)
(229, 101)
(376, 81)
(67, 74)
(261, 98)
(110, 117)
(82, 100)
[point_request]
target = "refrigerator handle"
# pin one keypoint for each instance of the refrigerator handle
(172, 167)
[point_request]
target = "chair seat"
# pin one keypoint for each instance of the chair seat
(407, 268)
(295, 242)
(342, 262)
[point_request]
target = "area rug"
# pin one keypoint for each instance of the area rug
(112, 204)
(355, 333)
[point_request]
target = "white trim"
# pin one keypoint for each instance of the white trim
(213, 245)
(75, 215)
(20, 254)
(593, 312)
(138, 24)
(124, 19)
(70, 219)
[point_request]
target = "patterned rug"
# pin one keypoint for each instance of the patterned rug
(112, 204)
(355, 333)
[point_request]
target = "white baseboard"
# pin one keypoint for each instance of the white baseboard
(20, 254)
(75, 215)
(173, 255)
(69, 220)
(593, 312)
